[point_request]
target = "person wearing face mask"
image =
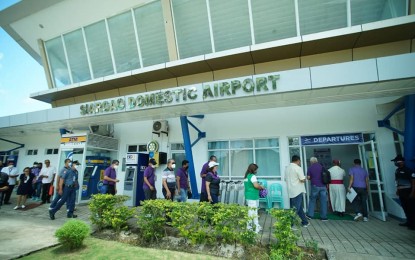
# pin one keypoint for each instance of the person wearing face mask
(182, 180)
(150, 192)
(48, 175)
(62, 172)
(405, 189)
(37, 182)
(68, 185)
(110, 178)
(169, 180)
(13, 172)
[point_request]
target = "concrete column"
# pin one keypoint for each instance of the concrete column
(169, 27)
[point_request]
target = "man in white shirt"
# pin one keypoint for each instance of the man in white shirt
(13, 172)
(295, 179)
(47, 173)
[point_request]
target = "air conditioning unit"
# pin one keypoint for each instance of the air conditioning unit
(161, 126)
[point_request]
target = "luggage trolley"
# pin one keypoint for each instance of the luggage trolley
(223, 187)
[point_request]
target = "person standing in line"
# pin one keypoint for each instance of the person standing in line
(295, 179)
(150, 178)
(62, 172)
(337, 189)
(13, 172)
(405, 190)
(182, 180)
(25, 188)
(318, 189)
(169, 180)
(68, 185)
(359, 180)
(203, 174)
(252, 188)
(48, 175)
(37, 182)
(212, 183)
(4, 185)
(110, 178)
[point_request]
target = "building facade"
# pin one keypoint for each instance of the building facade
(265, 80)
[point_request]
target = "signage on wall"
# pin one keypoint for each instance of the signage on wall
(73, 140)
(353, 138)
(208, 91)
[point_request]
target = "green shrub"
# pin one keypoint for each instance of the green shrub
(72, 233)
(286, 237)
(108, 211)
(197, 222)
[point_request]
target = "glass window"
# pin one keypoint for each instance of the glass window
(230, 24)
(57, 62)
(99, 49)
(132, 148)
(367, 11)
(124, 44)
(78, 62)
(273, 20)
(234, 158)
(192, 27)
(321, 15)
(177, 146)
(151, 34)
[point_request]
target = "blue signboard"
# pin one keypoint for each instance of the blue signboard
(353, 138)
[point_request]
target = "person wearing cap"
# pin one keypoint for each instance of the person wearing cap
(359, 180)
(48, 175)
(212, 183)
(337, 189)
(203, 174)
(62, 172)
(318, 189)
(68, 185)
(294, 176)
(252, 188)
(110, 178)
(150, 192)
(37, 182)
(405, 189)
(13, 172)
(169, 180)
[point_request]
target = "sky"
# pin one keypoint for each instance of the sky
(20, 75)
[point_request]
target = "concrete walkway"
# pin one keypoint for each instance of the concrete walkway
(23, 232)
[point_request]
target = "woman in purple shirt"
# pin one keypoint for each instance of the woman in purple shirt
(182, 180)
(213, 183)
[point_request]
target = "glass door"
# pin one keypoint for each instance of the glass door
(368, 155)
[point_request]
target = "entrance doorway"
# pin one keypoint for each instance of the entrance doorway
(346, 153)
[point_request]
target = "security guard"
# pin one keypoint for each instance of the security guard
(68, 184)
(405, 185)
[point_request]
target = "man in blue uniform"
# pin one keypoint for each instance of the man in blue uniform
(68, 185)
(405, 185)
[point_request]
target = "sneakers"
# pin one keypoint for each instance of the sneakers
(405, 224)
(23, 206)
(358, 217)
(51, 215)
(17, 207)
(365, 219)
(324, 219)
(308, 217)
(306, 225)
(72, 216)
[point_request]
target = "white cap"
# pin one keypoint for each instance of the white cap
(213, 164)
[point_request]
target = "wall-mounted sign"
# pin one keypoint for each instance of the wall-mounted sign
(73, 140)
(353, 138)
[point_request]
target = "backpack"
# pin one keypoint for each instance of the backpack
(325, 176)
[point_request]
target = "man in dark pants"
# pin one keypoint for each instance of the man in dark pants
(405, 189)
(359, 180)
(12, 172)
(203, 173)
(58, 196)
(4, 185)
(110, 178)
(68, 185)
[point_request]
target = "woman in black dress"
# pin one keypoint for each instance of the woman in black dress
(25, 188)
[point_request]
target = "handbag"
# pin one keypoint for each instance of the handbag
(51, 190)
(189, 194)
(325, 176)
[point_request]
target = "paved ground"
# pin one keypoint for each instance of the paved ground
(25, 231)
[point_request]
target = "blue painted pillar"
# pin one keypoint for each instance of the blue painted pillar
(409, 141)
(189, 156)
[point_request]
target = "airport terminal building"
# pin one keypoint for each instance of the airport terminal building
(245, 80)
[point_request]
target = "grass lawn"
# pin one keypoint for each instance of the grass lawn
(101, 249)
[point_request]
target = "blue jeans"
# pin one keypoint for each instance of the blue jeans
(215, 198)
(297, 204)
(183, 195)
(315, 193)
(37, 187)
